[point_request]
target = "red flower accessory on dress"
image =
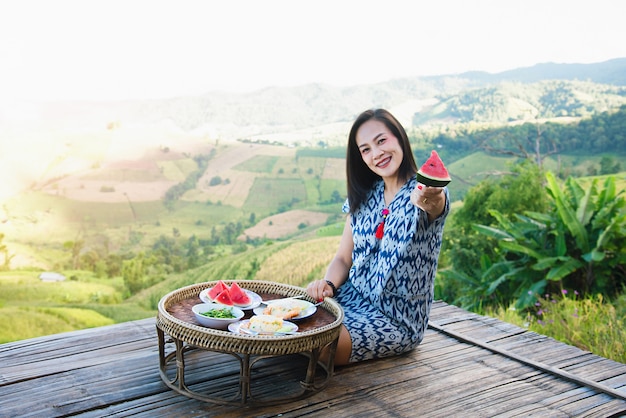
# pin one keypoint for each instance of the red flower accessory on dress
(380, 230)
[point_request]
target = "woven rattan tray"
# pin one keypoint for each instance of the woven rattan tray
(176, 319)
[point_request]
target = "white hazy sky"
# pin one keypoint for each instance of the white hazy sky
(121, 49)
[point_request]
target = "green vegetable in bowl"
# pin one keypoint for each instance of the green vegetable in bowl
(224, 313)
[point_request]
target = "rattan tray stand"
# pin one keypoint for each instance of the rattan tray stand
(248, 349)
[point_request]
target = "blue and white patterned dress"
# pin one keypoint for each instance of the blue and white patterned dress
(389, 291)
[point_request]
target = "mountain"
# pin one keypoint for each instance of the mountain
(34, 137)
(510, 102)
(607, 72)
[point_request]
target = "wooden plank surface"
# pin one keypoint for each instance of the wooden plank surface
(467, 365)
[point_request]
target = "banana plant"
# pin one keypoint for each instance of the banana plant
(478, 286)
(579, 243)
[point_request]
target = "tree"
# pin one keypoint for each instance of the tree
(215, 181)
(133, 272)
(534, 146)
(4, 250)
(336, 197)
(609, 166)
(193, 252)
(75, 247)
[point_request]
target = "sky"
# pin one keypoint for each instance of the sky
(135, 49)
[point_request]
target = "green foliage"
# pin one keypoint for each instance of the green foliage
(589, 323)
(609, 166)
(578, 243)
(469, 279)
(133, 272)
(215, 181)
(5, 254)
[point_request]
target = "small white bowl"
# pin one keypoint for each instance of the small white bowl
(218, 323)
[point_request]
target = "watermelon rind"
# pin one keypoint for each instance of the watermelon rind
(430, 181)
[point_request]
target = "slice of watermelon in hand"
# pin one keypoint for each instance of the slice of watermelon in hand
(433, 173)
(217, 289)
(224, 298)
(239, 296)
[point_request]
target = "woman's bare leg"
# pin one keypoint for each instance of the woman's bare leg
(344, 348)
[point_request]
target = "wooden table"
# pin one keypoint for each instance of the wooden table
(177, 325)
(467, 366)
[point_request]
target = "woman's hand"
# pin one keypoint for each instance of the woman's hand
(319, 289)
(338, 268)
(431, 200)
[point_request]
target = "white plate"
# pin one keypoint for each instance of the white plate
(241, 327)
(309, 309)
(255, 300)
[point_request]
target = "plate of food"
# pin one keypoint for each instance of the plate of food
(232, 295)
(288, 309)
(263, 325)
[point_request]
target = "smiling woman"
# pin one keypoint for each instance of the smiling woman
(383, 272)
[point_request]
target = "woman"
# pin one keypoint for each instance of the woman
(384, 269)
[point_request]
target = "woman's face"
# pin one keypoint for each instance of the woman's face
(380, 149)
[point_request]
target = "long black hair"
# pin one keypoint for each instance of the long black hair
(359, 176)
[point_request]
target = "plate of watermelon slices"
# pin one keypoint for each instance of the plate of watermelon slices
(232, 295)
